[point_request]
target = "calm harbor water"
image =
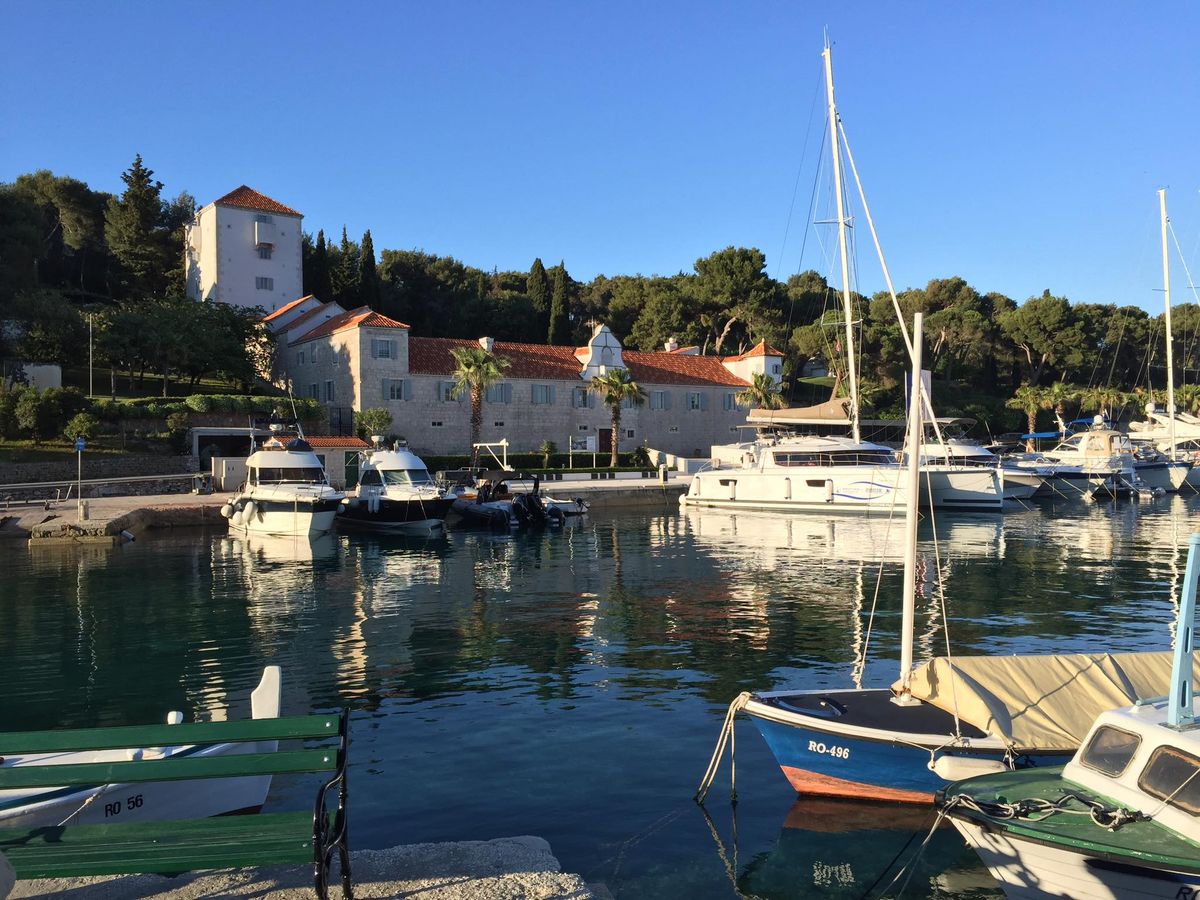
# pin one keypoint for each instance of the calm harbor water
(572, 685)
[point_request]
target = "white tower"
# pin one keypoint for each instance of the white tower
(244, 249)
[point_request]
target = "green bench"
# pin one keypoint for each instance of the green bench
(174, 847)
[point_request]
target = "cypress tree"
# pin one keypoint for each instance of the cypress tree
(345, 274)
(319, 284)
(558, 330)
(133, 228)
(368, 278)
(537, 288)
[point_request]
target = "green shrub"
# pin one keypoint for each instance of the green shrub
(82, 425)
(375, 420)
(178, 421)
(200, 403)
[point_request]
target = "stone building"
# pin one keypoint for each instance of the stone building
(244, 249)
(356, 359)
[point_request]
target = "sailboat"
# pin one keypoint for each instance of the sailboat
(1163, 431)
(785, 471)
(950, 718)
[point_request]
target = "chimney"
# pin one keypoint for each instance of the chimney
(487, 343)
(672, 345)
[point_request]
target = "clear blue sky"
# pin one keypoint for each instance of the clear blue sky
(1019, 146)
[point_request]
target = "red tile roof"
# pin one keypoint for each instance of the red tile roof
(672, 368)
(279, 312)
(247, 198)
(350, 443)
(686, 351)
(431, 356)
(364, 317)
(313, 313)
(760, 349)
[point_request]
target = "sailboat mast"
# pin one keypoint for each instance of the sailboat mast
(847, 303)
(1162, 208)
(913, 447)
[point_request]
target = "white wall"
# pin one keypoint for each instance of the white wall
(223, 262)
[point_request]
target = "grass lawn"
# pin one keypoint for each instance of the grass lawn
(77, 377)
(60, 450)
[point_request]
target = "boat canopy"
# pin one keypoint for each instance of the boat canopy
(831, 412)
(1040, 702)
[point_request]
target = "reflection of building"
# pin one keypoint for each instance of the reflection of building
(358, 359)
(244, 249)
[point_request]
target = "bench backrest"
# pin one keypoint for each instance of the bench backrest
(189, 763)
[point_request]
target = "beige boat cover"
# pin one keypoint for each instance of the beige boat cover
(831, 412)
(1041, 702)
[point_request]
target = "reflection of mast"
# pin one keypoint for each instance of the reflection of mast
(860, 657)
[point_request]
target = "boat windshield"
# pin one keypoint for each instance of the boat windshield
(298, 475)
(407, 476)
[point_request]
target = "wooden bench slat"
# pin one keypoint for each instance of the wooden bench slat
(177, 768)
(14, 743)
(159, 847)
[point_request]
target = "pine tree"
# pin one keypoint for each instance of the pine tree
(135, 232)
(368, 278)
(344, 274)
(558, 330)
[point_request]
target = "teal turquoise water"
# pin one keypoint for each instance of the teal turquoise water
(572, 685)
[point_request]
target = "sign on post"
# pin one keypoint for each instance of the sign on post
(80, 445)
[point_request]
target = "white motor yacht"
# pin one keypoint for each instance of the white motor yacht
(285, 493)
(1095, 462)
(395, 493)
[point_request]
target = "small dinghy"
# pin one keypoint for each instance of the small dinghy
(149, 801)
(495, 505)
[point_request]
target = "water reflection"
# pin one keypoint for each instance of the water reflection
(504, 683)
(844, 848)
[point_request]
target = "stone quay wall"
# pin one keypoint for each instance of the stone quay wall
(97, 467)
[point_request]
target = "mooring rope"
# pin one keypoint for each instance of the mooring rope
(1035, 809)
(725, 738)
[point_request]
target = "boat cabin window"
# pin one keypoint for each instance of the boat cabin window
(1174, 776)
(1110, 750)
(304, 475)
(835, 458)
(1071, 443)
(407, 476)
(370, 478)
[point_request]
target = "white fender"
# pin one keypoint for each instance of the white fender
(956, 768)
(227, 510)
(250, 510)
(238, 518)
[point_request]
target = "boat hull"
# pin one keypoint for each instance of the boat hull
(282, 519)
(875, 750)
(1031, 869)
(398, 516)
(155, 801)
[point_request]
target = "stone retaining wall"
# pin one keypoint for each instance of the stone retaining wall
(98, 467)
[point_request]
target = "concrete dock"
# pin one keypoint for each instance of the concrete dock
(109, 517)
(518, 868)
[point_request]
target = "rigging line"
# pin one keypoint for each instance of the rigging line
(941, 589)
(861, 664)
(808, 221)
(887, 275)
(799, 171)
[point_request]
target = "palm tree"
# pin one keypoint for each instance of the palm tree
(1057, 396)
(1104, 398)
(475, 371)
(616, 387)
(762, 392)
(1029, 400)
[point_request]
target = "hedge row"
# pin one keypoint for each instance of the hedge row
(161, 407)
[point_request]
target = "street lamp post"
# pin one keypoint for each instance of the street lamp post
(80, 444)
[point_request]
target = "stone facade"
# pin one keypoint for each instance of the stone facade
(358, 359)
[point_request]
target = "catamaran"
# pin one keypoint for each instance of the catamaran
(790, 471)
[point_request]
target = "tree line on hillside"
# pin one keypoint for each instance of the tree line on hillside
(71, 256)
